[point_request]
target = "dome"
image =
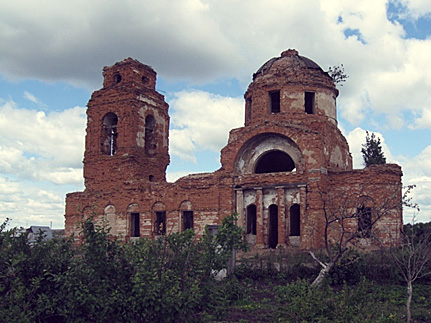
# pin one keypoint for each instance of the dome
(288, 59)
(287, 85)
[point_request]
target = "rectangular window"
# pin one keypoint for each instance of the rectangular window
(187, 220)
(212, 229)
(248, 109)
(364, 222)
(134, 225)
(309, 103)
(160, 225)
(274, 97)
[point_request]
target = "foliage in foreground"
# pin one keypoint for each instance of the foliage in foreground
(163, 280)
(297, 301)
(172, 280)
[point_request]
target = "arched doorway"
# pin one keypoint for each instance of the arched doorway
(251, 219)
(295, 223)
(251, 224)
(273, 226)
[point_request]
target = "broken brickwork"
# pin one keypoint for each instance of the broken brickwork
(279, 172)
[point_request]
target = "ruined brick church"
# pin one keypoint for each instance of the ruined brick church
(285, 172)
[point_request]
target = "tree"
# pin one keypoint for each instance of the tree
(412, 259)
(344, 224)
(337, 73)
(372, 151)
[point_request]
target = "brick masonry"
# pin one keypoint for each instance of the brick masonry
(282, 172)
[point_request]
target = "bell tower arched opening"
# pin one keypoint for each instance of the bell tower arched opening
(109, 134)
(150, 138)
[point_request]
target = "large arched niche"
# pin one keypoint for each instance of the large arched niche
(274, 161)
(269, 145)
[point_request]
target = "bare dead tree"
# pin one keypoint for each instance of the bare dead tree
(413, 256)
(411, 260)
(342, 227)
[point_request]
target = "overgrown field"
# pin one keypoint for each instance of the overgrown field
(172, 279)
(364, 288)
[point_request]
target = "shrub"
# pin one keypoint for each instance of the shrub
(164, 280)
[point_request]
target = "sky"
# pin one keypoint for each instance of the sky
(52, 53)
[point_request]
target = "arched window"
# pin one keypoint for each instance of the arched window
(274, 161)
(365, 221)
(187, 220)
(295, 223)
(109, 134)
(160, 220)
(186, 215)
(150, 138)
(160, 225)
(251, 219)
(135, 220)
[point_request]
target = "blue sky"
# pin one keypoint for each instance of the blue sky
(205, 52)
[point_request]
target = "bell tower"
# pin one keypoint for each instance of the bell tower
(127, 129)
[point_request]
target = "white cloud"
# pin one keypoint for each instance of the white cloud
(416, 8)
(31, 97)
(417, 171)
(200, 40)
(39, 146)
(202, 121)
(423, 121)
(27, 204)
(356, 138)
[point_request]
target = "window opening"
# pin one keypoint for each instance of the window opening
(295, 223)
(151, 178)
(309, 102)
(134, 225)
(364, 221)
(109, 134)
(187, 220)
(212, 229)
(160, 226)
(274, 161)
(248, 108)
(117, 78)
(274, 101)
(273, 226)
(251, 219)
(150, 139)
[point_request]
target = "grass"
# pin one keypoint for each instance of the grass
(276, 288)
(273, 301)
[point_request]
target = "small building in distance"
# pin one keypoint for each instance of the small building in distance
(44, 233)
(285, 172)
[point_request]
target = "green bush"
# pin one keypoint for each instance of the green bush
(164, 280)
(348, 269)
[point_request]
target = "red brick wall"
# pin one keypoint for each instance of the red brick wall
(133, 179)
